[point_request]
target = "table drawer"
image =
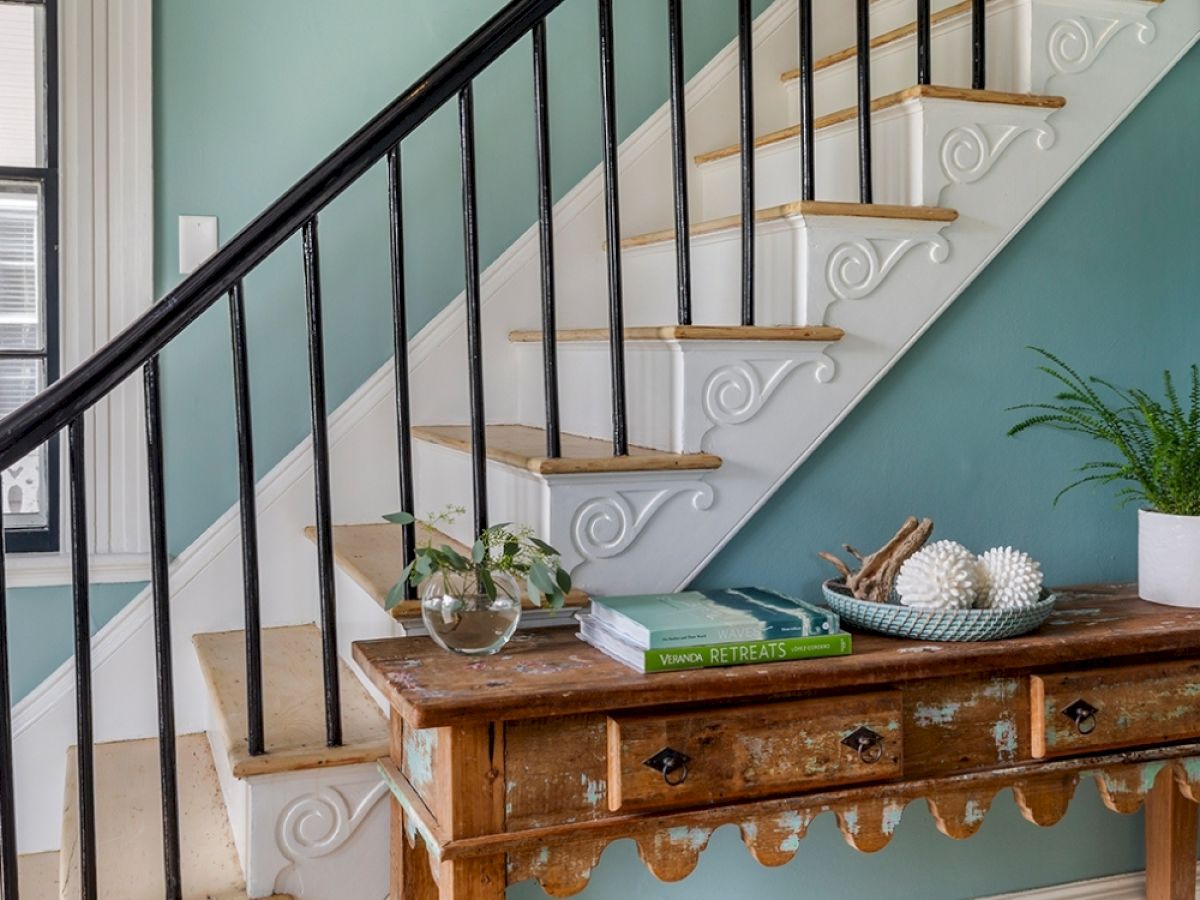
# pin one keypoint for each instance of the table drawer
(735, 753)
(1104, 709)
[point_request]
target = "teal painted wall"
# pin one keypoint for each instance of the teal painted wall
(248, 96)
(41, 629)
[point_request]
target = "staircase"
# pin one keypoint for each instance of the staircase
(733, 375)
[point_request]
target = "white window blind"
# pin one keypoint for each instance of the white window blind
(24, 353)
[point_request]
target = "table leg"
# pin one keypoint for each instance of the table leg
(411, 877)
(1170, 841)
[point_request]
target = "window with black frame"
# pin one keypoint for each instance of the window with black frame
(29, 277)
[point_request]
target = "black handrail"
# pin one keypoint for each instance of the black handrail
(54, 408)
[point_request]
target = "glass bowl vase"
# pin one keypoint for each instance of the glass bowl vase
(461, 617)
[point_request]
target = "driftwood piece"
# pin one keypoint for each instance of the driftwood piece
(877, 572)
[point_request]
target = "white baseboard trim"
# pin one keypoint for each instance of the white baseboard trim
(25, 570)
(1115, 887)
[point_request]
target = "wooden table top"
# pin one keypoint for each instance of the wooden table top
(552, 672)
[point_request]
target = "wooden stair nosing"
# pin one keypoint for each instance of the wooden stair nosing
(805, 208)
(523, 447)
(689, 333)
(372, 555)
(129, 824)
(915, 92)
(293, 703)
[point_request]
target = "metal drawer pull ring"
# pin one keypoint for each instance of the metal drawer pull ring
(1083, 714)
(672, 764)
(866, 743)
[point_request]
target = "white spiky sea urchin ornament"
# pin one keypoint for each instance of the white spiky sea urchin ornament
(1010, 579)
(944, 575)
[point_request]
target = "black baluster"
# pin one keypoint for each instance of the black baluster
(160, 590)
(541, 103)
(978, 45)
(746, 86)
(612, 210)
(85, 760)
(808, 181)
(248, 507)
(683, 235)
(323, 499)
(865, 187)
(470, 197)
(924, 40)
(400, 336)
(8, 804)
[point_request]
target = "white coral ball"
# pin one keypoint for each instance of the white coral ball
(1011, 579)
(944, 575)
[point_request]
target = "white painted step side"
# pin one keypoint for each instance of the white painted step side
(802, 265)
(683, 388)
(919, 146)
(597, 516)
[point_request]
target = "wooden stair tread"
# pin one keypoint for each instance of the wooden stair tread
(802, 207)
(525, 448)
(37, 875)
(690, 333)
(129, 825)
(919, 91)
(372, 554)
(293, 703)
(882, 40)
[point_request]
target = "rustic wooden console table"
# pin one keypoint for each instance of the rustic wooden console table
(528, 764)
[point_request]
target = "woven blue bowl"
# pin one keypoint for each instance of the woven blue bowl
(936, 624)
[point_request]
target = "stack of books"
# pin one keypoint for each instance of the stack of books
(703, 629)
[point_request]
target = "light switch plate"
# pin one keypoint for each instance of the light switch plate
(197, 241)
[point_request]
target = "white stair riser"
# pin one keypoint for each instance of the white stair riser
(894, 66)
(912, 163)
(680, 390)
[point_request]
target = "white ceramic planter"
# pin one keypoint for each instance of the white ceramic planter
(1169, 558)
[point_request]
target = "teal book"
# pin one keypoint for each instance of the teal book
(712, 655)
(691, 618)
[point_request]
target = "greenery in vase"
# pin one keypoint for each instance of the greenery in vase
(513, 550)
(1158, 440)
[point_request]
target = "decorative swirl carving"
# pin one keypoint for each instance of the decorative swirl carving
(1071, 46)
(857, 268)
(968, 152)
(736, 393)
(607, 526)
(317, 824)
(1074, 44)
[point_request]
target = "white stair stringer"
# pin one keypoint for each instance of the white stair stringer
(729, 381)
(803, 264)
(759, 454)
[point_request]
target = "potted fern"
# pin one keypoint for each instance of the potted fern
(1157, 465)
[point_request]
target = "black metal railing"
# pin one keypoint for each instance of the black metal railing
(63, 405)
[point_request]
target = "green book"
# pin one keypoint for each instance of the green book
(741, 653)
(695, 618)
